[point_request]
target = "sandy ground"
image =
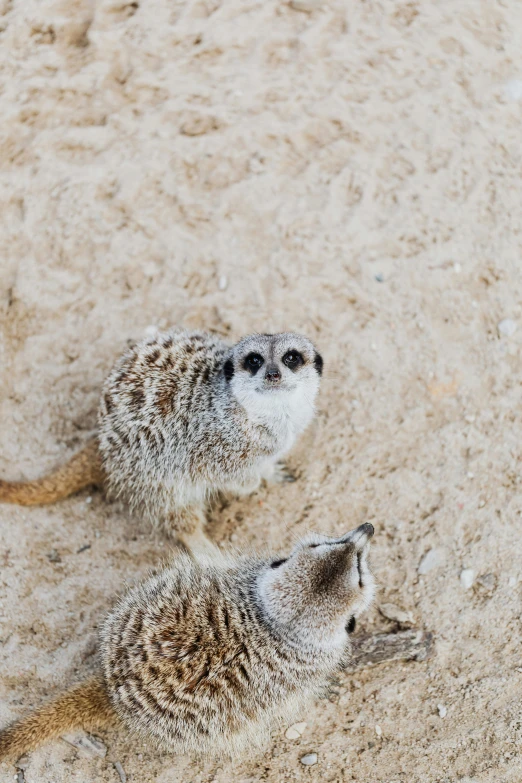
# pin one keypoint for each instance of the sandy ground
(352, 172)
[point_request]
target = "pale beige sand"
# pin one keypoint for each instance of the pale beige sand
(148, 152)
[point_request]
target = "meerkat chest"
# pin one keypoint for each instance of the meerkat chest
(284, 413)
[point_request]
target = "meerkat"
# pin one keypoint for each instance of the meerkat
(206, 655)
(182, 416)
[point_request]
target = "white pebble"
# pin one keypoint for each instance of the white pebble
(467, 577)
(513, 89)
(222, 282)
(507, 327)
(395, 613)
(442, 710)
(294, 732)
(432, 559)
(309, 759)
(378, 731)
(512, 581)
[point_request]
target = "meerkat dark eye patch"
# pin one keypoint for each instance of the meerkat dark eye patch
(359, 563)
(350, 626)
(228, 369)
(253, 362)
(293, 360)
(318, 363)
(278, 563)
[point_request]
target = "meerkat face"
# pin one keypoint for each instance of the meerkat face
(316, 593)
(263, 367)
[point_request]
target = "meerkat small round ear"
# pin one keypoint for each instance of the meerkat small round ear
(228, 369)
(318, 363)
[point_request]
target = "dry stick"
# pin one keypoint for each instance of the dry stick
(375, 648)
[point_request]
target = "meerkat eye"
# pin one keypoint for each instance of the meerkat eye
(278, 563)
(253, 362)
(293, 360)
(350, 627)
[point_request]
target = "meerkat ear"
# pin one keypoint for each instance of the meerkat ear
(318, 363)
(228, 369)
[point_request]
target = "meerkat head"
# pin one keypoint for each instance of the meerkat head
(264, 368)
(314, 595)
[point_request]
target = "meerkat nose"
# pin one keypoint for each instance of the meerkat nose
(272, 373)
(361, 535)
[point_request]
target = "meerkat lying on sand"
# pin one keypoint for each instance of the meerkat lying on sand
(205, 656)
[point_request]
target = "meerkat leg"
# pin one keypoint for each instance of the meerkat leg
(187, 525)
(245, 488)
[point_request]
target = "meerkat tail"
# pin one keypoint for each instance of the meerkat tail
(81, 471)
(87, 706)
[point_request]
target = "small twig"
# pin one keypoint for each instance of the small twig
(376, 648)
(119, 769)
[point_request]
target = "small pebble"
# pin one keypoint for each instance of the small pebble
(309, 759)
(378, 731)
(89, 499)
(294, 732)
(20, 777)
(467, 577)
(222, 282)
(379, 278)
(507, 327)
(442, 710)
(54, 556)
(512, 581)
(432, 559)
(513, 89)
(398, 615)
(121, 772)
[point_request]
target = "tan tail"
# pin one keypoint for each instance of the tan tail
(86, 706)
(82, 470)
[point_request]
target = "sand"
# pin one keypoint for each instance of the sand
(353, 172)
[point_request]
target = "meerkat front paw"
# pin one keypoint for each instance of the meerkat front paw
(281, 474)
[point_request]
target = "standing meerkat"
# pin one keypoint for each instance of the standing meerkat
(182, 416)
(206, 655)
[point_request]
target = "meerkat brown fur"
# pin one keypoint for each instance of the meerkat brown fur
(183, 415)
(206, 655)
